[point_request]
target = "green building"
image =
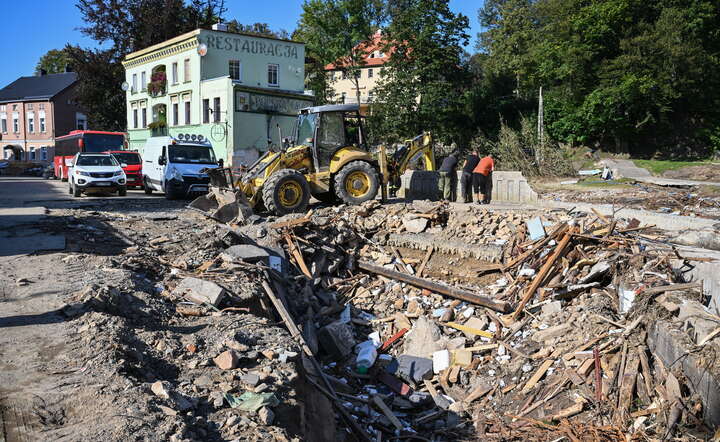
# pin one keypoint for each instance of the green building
(239, 91)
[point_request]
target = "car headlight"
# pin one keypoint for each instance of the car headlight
(80, 172)
(174, 173)
(118, 173)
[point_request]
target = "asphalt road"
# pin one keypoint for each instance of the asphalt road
(34, 191)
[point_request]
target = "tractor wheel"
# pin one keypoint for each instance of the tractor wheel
(286, 191)
(357, 182)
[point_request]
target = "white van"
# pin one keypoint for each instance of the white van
(173, 165)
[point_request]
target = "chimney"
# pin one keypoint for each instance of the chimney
(220, 27)
(41, 72)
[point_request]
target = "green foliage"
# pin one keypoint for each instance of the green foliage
(658, 167)
(425, 85)
(54, 61)
(520, 149)
(629, 75)
(331, 31)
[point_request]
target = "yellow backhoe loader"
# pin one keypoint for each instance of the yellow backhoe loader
(327, 158)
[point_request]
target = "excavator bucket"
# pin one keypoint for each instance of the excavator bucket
(223, 202)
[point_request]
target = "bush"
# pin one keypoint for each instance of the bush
(520, 149)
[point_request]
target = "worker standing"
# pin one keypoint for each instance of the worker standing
(466, 179)
(448, 176)
(482, 179)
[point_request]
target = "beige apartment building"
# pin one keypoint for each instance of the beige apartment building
(34, 111)
(344, 87)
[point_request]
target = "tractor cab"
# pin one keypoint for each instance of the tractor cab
(329, 129)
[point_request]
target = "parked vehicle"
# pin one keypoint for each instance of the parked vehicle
(49, 172)
(96, 171)
(175, 165)
(131, 164)
(91, 141)
(33, 171)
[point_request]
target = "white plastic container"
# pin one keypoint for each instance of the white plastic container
(366, 356)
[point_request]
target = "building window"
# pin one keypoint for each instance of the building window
(371, 96)
(342, 99)
(3, 124)
(41, 106)
(370, 73)
(134, 83)
(186, 70)
(345, 75)
(143, 112)
(273, 75)
(175, 113)
(216, 109)
(187, 112)
(174, 73)
(42, 123)
(3, 107)
(234, 68)
(16, 124)
(81, 121)
(29, 106)
(31, 124)
(135, 118)
(32, 154)
(143, 81)
(43, 153)
(206, 110)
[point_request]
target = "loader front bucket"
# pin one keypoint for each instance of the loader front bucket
(222, 203)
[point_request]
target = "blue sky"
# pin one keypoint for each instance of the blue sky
(49, 24)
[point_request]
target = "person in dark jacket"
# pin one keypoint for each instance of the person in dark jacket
(466, 179)
(448, 176)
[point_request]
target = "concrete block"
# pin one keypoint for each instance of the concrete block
(672, 347)
(200, 291)
(411, 368)
(508, 186)
(337, 339)
(695, 320)
(245, 252)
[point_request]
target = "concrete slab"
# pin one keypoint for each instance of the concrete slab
(628, 169)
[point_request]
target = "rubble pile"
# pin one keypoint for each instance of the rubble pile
(547, 341)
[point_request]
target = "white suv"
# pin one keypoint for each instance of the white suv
(96, 171)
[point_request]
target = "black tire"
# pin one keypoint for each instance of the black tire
(76, 191)
(148, 190)
(122, 191)
(371, 186)
(70, 190)
(296, 196)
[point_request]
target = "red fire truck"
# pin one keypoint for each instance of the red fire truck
(93, 141)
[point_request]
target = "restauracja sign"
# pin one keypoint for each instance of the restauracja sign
(252, 46)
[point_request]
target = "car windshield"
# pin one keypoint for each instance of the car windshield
(102, 142)
(129, 158)
(96, 160)
(306, 128)
(181, 153)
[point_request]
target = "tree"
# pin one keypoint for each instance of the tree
(426, 82)
(54, 61)
(261, 29)
(622, 74)
(337, 31)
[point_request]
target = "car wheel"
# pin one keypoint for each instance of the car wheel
(77, 192)
(122, 191)
(146, 187)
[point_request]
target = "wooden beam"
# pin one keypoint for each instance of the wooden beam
(537, 282)
(537, 376)
(425, 260)
(297, 255)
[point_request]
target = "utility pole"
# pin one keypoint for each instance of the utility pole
(540, 129)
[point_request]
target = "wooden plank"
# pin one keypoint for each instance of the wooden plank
(537, 376)
(540, 277)
(672, 287)
(394, 338)
(297, 255)
(477, 392)
(627, 389)
(439, 400)
(571, 354)
(647, 376)
(465, 328)
(601, 216)
(522, 257)
(387, 412)
(292, 223)
(425, 260)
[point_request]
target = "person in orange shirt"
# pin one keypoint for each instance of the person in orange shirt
(482, 179)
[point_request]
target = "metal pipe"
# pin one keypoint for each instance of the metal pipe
(453, 292)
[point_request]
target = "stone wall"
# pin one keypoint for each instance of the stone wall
(508, 186)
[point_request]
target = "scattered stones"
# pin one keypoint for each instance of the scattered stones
(227, 360)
